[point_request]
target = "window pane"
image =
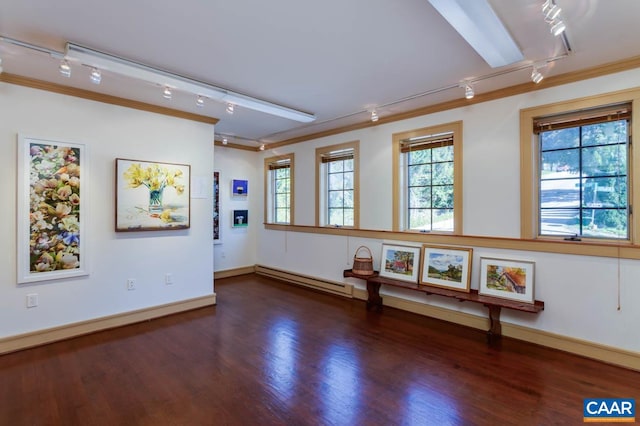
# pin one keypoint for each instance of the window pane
(336, 217)
(336, 182)
(421, 156)
(566, 160)
(443, 197)
(335, 166)
(420, 219)
(336, 199)
(348, 165)
(282, 200)
(443, 173)
(443, 153)
(348, 217)
(604, 160)
(348, 199)
(604, 133)
(443, 219)
(348, 180)
(605, 223)
(420, 197)
(556, 139)
(560, 193)
(282, 215)
(420, 175)
(560, 222)
(282, 186)
(282, 173)
(605, 192)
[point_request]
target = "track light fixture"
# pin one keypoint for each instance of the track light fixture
(230, 108)
(166, 93)
(200, 101)
(96, 76)
(536, 76)
(468, 90)
(64, 68)
(225, 141)
(374, 116)
(551, 12)
(261, 147)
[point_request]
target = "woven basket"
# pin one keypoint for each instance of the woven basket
(362, 265)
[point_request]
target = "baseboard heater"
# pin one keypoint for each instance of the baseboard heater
(334, 287)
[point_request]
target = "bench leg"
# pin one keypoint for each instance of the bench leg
(374, 300)
(495, 330)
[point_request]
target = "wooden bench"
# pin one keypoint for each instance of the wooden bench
(494, 304)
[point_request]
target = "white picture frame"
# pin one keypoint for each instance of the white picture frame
(507, 279)
(400, 262)
(52, 209)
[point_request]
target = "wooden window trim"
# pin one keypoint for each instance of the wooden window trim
(529, 175)
(455, 128)
(322, 156)
(270, 163)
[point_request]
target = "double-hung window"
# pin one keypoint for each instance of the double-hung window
(337, 183)
(583, 172)
(279, 189)
(427, 176)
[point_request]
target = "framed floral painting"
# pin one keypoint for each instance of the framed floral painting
(152, 196)
(52, 209)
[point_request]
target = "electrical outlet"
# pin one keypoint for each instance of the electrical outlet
(131, 284)
(32, 300)
(168, 279)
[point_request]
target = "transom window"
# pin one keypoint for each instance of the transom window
(279, 189)
(583, 171)
(427, 174)
(337, 182)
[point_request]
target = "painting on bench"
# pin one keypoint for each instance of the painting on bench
(400, 262)
(509, 279)
(446, 267)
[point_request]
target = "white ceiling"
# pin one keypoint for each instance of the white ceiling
(337, 59)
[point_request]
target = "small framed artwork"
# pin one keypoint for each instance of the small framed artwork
(240, 218)
(400, 262)
(52, 210)
(509, 279)
(239, 187)
(446, 267)
(216, 208)
(152, 196)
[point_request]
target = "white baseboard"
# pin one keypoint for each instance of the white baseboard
(50, 335)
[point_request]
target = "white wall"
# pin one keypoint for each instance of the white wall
(237, 247)
(580, 293)
(108, 131)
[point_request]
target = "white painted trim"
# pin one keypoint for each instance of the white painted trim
(341, 289)
(50, 335)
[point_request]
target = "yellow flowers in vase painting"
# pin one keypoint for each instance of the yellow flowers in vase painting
(151, 196)
(51, 210)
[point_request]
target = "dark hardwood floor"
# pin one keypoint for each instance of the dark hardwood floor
(273, 354)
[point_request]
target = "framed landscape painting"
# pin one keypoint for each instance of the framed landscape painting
(52, 209)
(400, 262)
(509, 279)
(446, 267)
(152, 196)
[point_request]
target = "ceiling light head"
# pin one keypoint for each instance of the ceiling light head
(536, 76)
(558, 28)
(374, 116)
(230, 108)
(468, 90)
(166, 93)
(552, 12)
(96, 76)
(200, 101)
(65, 68)
(261, 147)
(225, 141)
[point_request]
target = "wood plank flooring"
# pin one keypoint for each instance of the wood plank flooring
(273, 354)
